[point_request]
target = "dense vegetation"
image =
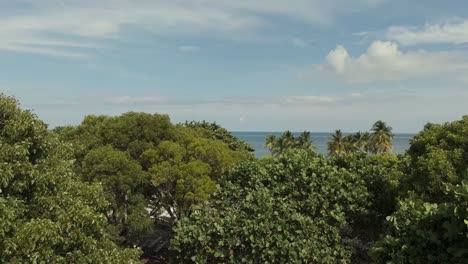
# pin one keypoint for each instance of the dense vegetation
(288, 209)
(150, 168)
(350, 207)
(430, 224)
(90, 193)
(47, 215)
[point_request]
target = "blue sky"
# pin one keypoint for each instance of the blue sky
(264, 65)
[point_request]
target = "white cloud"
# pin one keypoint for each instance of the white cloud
(129, 100)
(44, 51)
(284, 101)
(454, 33)
(384, 61)
(301, 43)
(61, 27)
(293, 100)
(338, 58)
(307, 99)
(188, 48)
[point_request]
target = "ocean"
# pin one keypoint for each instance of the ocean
(320, 139)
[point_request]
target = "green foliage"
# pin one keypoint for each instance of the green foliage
(337, 145)
(145, 161)
(123, 181)
(379, 141)
(46, 214)
(430, 225)
(287, 141)
(423, 232)
(381, 175)
(131, 132)
(184, 172)
(438, 155)
(293, 207)
(181, 182)
(217, 132)
(216, 153)
(286, 209)
(381, 136)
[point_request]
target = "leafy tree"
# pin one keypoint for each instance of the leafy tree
(438, 155)
(216, 153)
(423, 232)
(46, 214)
(179, 181)
(381, 138)
(131, 132)
(83, 138)
(123, 180)
(107, 150)
(285, 209)
(381, 175)
(145, 161)
(184, 172)
(430, 225)
(217, 132)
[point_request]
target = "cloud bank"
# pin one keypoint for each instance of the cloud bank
(384, 61)
(292, 100)
(452, 33)
(68, 28)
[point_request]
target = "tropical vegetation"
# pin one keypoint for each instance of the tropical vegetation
(47, 215)
(378, 141)
(150, 168)
(288, 209)
(92, 193)
(278, 145)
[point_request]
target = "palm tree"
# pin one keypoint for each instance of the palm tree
(349, 143)
(270, 142)
(276, 145)
(289, 140)
(361, 141)
(336, 144)
(381, 138)
(304, 141)
(281, 145)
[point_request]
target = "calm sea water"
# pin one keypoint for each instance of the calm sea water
(257, 139)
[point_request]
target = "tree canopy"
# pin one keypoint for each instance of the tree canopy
(78, 194)
(430, 224)
(46, 213)
(285, 209)
(149, 167)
